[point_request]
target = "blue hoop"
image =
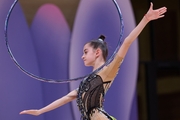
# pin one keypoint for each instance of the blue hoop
(61, 80)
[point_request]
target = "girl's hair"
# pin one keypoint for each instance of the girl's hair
(100, 43)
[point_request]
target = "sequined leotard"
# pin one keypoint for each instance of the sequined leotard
(92, 90)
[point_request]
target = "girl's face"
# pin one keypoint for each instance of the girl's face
(89, 55)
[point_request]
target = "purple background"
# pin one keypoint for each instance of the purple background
(48, 48)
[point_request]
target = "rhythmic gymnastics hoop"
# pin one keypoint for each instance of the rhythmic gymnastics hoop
(120, 41)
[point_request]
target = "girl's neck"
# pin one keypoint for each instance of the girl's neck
(97, 65)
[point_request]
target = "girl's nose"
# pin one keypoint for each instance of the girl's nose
(82, 57)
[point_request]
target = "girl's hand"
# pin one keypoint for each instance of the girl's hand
(155, 14)
(31, 112)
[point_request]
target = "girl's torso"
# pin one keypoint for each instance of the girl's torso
(92, 90)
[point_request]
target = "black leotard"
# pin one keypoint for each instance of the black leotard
(92, 90)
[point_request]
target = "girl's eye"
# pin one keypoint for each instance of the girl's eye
(85, 52)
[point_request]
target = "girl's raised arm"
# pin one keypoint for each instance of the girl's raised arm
(150, 15)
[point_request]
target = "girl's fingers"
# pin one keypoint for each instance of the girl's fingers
(161, 16)
(23, 112)
(162, 10)
(151, 6)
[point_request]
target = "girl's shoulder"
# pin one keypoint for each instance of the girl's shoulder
(110, 71)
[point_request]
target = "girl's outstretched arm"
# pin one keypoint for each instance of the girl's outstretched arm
(150, 15)
(68, 98)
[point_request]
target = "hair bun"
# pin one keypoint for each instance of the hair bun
(102, 37)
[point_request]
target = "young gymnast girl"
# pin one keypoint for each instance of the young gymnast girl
(91, 91)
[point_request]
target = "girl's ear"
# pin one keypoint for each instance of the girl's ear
(98, 52)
